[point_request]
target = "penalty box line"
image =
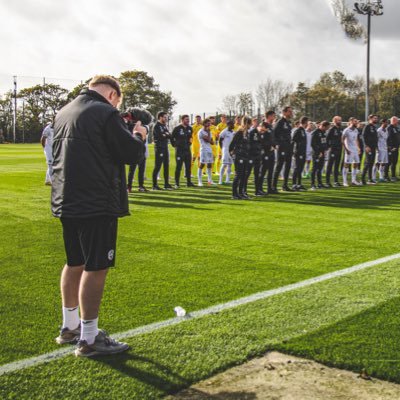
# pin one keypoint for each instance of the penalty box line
(57, 354)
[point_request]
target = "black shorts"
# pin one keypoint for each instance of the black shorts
(90, 241)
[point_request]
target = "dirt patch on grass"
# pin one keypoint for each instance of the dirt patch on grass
(278, 376)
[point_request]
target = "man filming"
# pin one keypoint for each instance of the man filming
(91, 146)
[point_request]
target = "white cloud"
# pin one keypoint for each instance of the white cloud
(201, 50)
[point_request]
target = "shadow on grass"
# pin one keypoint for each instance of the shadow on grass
(162, 378)
(367, 340)
(383, 196)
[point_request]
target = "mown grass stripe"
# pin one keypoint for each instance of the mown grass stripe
(55, 355)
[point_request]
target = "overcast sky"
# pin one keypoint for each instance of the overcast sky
(201, 50)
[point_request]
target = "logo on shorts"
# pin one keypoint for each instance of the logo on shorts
(266, 158)
(161, 154)
(178, 158)
(111, 255)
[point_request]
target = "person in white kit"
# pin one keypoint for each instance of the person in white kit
(225, 139)
(382, 158)
(352, 150)
(47, 143)
(309, 130)
(206, 154)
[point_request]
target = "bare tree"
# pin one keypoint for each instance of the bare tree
(347, 18)
(271, 93)
(229, 104)
(245, 103)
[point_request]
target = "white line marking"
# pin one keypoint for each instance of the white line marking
(57, 354)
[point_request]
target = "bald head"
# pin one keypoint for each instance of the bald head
(394, 121)
(337, 120)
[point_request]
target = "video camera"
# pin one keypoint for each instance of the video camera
(135, 114)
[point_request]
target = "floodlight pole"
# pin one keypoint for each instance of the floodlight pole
(368, 8)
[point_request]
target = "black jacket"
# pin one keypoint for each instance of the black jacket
(370, 136)
(161, 136)
(393, 137)
(90, 147)
(182, 138)
(318, 142)
(240, 146)
(283, 133)
(255, 144)
(334, 138)
(299, 141)
(267, 140)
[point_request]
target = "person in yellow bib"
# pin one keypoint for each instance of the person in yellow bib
(195, 139)
(215, 136)
(220, 127)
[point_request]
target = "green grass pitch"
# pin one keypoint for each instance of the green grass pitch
(196, 248)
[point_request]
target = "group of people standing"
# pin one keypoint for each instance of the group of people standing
(272, 148)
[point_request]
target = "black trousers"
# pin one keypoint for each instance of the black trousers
(239, 182)
(284, 157)
(393, 159)
(267, 164)
(318, 166)
(162, 159)
(183, 158)
(368, 164)
(335, 156)
(254, 165)
(299, 167)
(131, 174)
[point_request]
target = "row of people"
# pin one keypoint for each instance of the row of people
(274, 148)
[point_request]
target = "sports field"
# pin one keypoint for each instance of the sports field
(196, 248)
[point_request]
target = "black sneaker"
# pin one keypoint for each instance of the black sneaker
(190, 184)
(168, 187)
(295, 188)
(371, 182)
(70, 336)
(156, 187)
(103, 345)
(142, 189)
(236, 198)
(322, 186)
(337, 184)
(313, 187)
(273, 191)
(245, 196)
(258, 193)
(286, 188)
(329, 185)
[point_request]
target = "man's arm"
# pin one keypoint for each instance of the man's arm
(124, 148)
(43, 140)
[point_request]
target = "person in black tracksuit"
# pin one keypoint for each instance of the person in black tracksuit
(320, 146)
(181, 140)
(299, 141)
(254, 157)
(370, 138)
(131, 174)
(283, 137)
(334, 139)
(360, 128)
(161, 136)
(240, 151)
(267, 152)
(393, 147)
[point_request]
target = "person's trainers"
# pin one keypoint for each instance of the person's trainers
(103, 345)
(70, 336)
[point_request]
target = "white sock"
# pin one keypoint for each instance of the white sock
(199, 175)
(382, 172)
(209, 174)
(228, 173)
(89, 330)
(374, 172)
(221, 173)
(70, 317)
(345, 172)
(354, 174)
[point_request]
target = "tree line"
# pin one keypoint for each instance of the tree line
(39, 104)
(332, 94)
